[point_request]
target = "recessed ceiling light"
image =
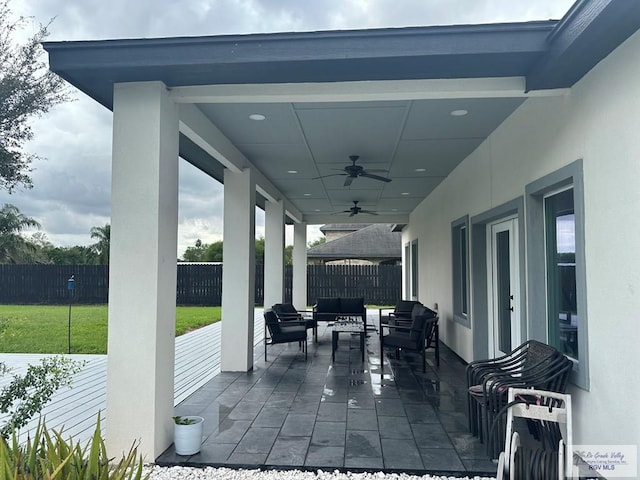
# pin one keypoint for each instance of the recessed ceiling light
(257, 117)
(292, 171)
(307, 194)
(421, 169)
(394, 209)
(459, 113)
(405, 193)
(317, 209)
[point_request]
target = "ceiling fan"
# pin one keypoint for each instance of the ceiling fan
(355, 210)
(354, 171)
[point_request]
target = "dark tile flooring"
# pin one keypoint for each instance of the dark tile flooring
(319, 414)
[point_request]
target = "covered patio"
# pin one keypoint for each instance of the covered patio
(495, 138)
(319, 414)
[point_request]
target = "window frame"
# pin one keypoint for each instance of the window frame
(570, 176)
(460, 274)
(414, 269)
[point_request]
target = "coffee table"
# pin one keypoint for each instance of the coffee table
(346, 326)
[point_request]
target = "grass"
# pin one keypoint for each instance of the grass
(44, 329)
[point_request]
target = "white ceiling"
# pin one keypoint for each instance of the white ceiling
(316, 139)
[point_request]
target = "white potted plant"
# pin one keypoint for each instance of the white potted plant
(187, 434)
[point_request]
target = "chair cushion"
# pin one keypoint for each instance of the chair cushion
(272, 322)
(285, 308)
(288, 334)
(328, 305)
(430, 313)
(404, 307)
(399, 340)
(351, 305)
(418, 327)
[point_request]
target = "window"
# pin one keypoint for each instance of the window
(560, 245)
(556, 274)
(460, 269)
(414, 270)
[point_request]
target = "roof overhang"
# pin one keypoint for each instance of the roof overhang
(313, 81)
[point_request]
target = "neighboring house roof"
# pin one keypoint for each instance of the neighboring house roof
(373, 241)
(343, 227)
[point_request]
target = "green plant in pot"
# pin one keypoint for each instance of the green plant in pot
(187, 434)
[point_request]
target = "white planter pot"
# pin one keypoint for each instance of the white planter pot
(188, 438)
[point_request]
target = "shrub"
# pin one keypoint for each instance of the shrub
(27, 395)
(49, 456)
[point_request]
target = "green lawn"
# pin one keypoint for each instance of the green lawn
(44, 329)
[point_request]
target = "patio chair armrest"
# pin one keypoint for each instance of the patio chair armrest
(397, 327)
(289, 323)
(288, 316)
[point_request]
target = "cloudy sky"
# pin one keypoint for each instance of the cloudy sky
(72, 186)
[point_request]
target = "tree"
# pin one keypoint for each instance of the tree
(101, 247)
(214, 252)
(27, 89)
(76, 255)
(317, 242)
(288, 255)
(195, 253)
(260, 250)
(14, 248)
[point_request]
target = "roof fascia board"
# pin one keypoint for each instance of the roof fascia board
(589, 31)
(320, 219)
(321, 45)
(382, 90)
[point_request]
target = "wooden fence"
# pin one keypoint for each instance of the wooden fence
(197, 284)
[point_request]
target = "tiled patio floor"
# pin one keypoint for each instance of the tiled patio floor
(321, 414)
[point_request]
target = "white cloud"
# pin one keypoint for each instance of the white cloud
(72, 186)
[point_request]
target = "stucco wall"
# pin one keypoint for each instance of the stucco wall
(598, 121)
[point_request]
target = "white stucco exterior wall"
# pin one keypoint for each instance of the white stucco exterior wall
(599, 122)
(299, 260)
(274, 253)
(238, 274)
(142, 270)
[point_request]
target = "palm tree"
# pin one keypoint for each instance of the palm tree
(101, 247)
(13, 247)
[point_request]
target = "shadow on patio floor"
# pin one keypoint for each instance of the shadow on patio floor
(321, 414)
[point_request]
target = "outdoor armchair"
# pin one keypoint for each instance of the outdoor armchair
(283, 332)
(402, 310)
(287, 312)
(409, 337)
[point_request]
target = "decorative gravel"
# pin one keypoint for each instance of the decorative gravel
(210, 473)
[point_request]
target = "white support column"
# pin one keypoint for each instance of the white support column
(142, 270)
(238, 271)
(300, 265)
(273, 253)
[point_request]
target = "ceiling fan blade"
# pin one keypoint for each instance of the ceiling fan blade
(330, 175)
(352, 214)
(348, 180)
(370, 212)
(377, 170)
(375, 177)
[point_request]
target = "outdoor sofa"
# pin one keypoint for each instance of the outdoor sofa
(328, 309)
